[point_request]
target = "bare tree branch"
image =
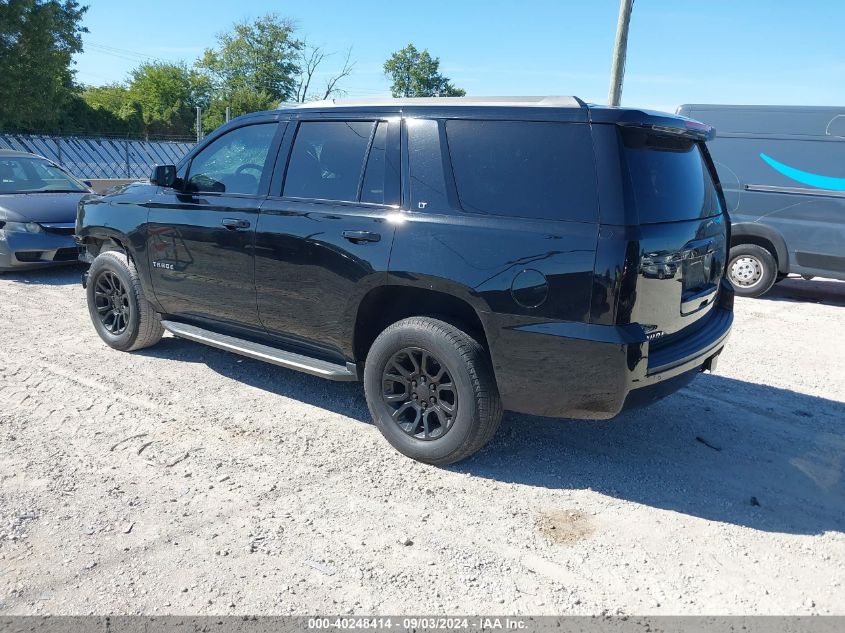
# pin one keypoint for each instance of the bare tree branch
(310, 59)
(331, 84)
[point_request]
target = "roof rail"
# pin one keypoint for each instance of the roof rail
(548, 102)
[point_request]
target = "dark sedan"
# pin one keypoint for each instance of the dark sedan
(37, 212)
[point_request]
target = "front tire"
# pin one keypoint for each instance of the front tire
(431, 390)
(752, 269)
(120, 312)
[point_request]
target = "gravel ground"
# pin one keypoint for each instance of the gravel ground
(182, 479)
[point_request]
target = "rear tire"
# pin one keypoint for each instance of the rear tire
(431, 390)
(121, 314)
(752, 270)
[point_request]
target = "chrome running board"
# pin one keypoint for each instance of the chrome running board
(290, 360)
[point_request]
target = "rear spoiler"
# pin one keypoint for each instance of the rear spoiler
(658, 122)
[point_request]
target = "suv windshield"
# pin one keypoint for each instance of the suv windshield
(22, 174)
(669, 177)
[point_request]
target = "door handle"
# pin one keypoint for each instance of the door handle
(233, 224)
(356, 237)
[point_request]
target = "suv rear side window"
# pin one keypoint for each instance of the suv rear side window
(527, 169)
(327, 161)
(373, 188)
(669, 177)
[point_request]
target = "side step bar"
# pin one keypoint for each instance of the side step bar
(290, 360)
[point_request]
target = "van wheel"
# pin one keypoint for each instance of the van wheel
(121, 314)
(752, 270)
(431, 390)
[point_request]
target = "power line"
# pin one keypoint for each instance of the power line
(122, 53)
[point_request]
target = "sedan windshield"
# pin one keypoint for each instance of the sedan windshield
(22, 174)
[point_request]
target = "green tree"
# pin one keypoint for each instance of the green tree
(255, 65)
(38, 39)
(166, 95)
(79, 117)
(257, 57)
(113, 111)
(417, 74)
(113, 97)
(239, 102)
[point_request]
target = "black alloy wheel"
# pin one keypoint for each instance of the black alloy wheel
(431, 390)
(119, 310)
(111, 300)
(419, 390)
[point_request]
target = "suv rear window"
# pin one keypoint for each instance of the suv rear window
(527, 169)
(669, 177)
(327, 160)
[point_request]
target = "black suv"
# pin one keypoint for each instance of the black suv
(462, 256)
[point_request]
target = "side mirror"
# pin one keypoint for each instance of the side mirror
(163, 175)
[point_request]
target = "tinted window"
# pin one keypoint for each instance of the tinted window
(373, 188)
(234, 162)
(328, 159)
(669, 178)
(524, 168)
(33, 175)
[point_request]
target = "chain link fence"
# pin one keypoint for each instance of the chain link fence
(99, 157)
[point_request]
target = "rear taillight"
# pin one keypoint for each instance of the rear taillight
(627, 287)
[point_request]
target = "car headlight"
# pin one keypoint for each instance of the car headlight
(22, 227)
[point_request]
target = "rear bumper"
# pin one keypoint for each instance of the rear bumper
(579, 370)
(696, 351)
(25, 251)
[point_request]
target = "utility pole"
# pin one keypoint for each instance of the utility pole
(199, 124)
(228, 113)
(620, 50)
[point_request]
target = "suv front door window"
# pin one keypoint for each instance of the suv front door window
(233, 163)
